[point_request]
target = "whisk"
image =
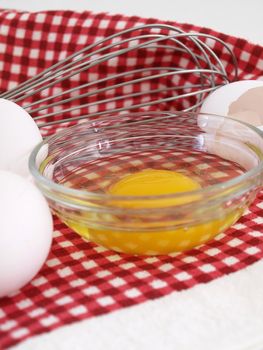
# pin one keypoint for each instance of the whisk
(149, 67)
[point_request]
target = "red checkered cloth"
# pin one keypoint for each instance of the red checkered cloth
(81, 280)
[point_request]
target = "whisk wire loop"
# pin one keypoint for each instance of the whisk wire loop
(150, 66)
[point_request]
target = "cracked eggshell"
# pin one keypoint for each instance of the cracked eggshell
(241, 100)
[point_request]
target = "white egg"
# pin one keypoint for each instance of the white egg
(25, 232)
(242, 100)
(19, 134)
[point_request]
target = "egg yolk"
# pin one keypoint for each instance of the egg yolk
(135, 237)
(153, 182)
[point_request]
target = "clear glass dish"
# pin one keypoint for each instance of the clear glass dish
(77, 169)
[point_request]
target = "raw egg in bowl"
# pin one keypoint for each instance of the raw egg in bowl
(150, 183)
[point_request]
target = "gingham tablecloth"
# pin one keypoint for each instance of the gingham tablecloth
(81, 280)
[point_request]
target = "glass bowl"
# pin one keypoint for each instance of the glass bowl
(78, 168)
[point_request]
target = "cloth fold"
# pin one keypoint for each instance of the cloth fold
(224, 314)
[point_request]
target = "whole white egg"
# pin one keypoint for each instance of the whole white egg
(19, 134)
(25, 232)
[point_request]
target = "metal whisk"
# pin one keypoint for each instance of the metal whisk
(150, 67)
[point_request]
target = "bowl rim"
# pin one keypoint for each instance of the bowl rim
(45, 182)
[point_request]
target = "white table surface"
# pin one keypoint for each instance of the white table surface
(242, 18)
(175, 321)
